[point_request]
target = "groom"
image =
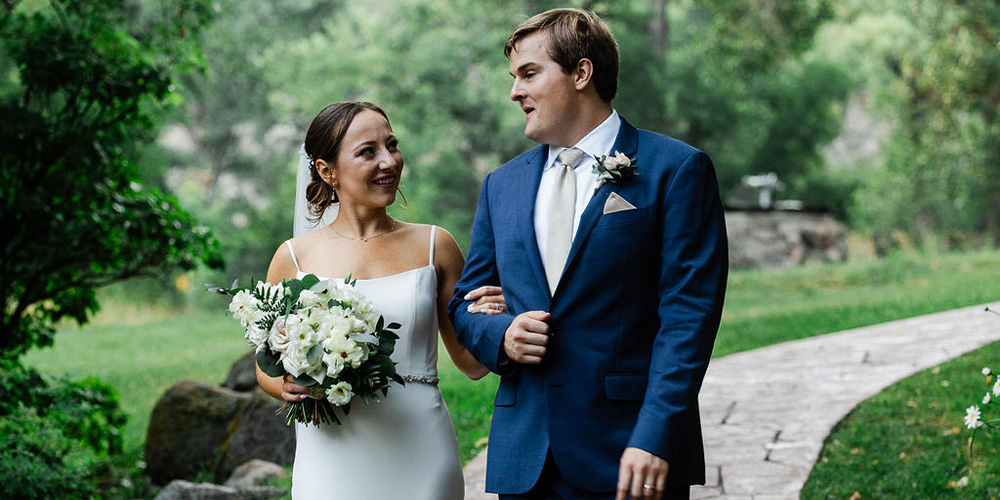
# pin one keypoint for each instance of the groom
(614, 283)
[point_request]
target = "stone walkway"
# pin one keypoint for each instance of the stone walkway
(766, 412)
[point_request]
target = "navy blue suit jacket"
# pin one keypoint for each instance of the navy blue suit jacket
(632, 325)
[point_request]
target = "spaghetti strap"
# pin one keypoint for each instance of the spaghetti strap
(433, 230)
(291, 251)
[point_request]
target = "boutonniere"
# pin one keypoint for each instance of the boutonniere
(615, 168)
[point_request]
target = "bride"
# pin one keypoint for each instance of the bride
(405, 446)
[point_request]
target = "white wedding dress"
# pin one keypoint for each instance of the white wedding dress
(405, 446)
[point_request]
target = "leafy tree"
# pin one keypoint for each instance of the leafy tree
(437, 68)
(736, 80)
(80, 85)
(932, 70)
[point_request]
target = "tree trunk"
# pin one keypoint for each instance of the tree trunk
(659, 29)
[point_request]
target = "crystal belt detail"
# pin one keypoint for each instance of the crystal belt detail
(421, 379)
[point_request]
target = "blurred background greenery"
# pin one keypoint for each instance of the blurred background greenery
(146, 137)
(761, 86)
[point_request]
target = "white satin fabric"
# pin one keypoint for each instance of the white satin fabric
(405, 446)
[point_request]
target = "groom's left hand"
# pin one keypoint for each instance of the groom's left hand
(642, 474)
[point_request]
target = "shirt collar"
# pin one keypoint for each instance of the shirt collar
(595, 144)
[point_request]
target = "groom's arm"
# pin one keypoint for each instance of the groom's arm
(481, 334)
(694, 268)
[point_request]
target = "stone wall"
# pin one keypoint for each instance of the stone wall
(775, 239)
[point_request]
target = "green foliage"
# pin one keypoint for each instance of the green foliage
(55, 433)
(81, 84)
(932, 70)
(909, 440)
(740, 85)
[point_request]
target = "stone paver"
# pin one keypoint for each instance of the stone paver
(766, 412)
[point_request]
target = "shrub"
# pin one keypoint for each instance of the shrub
(55, 433)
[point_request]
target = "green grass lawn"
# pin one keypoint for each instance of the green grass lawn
(768, 307)
(909, 441)
(142, 359)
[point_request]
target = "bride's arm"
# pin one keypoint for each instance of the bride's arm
(279, 388)
(448, 260)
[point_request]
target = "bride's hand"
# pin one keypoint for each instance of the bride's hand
(488, 300)
(292, 392)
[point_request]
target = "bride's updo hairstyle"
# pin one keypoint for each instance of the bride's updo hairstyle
(323, 143)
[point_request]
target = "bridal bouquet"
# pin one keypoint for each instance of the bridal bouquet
(324, 333)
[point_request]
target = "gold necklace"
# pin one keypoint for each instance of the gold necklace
(365, 240)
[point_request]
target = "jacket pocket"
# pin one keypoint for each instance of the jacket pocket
(506, 394)
(624, 217)
(625, 386)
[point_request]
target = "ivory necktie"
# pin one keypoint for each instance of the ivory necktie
(561, 212)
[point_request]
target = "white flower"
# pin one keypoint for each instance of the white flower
(278, 338)
(340, 394)
(295, 361)
(996, 388)
(986, 399)
(986, 371)
(617, 161)
(267, 289)
(614, 168)
(309, 298)
(335, 363)
(972, 417)
(352, 353)
(257, 336)
(243, 307)
(300, 332)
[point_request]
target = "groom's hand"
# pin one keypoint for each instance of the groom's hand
(642, 474)
(526, 337)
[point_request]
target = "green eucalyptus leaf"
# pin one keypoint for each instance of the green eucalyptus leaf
(366, 338)
(270, 363)
(315, 354)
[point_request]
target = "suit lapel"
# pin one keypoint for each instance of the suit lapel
(527, 191)
(628, 143)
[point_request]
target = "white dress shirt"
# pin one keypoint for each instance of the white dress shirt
(594, 145)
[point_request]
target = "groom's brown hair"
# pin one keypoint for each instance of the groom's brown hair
(571, 35)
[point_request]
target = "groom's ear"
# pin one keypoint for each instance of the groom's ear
(583, 73)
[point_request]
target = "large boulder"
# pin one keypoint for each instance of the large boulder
(777, 239)
(258, 433)
(199, 427)
(254, 473)
(243, 374)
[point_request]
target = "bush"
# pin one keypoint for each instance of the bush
(56, 433)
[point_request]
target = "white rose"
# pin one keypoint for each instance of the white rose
(256, 336)
(308, 298)
(278, 338)
(295, 361)
(340, 394)
(617, 161)
(243, 306)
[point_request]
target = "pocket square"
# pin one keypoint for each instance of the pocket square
(616, 203)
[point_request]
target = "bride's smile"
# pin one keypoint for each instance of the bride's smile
(369, 164)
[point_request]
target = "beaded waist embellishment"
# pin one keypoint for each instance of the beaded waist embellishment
(421, 379)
